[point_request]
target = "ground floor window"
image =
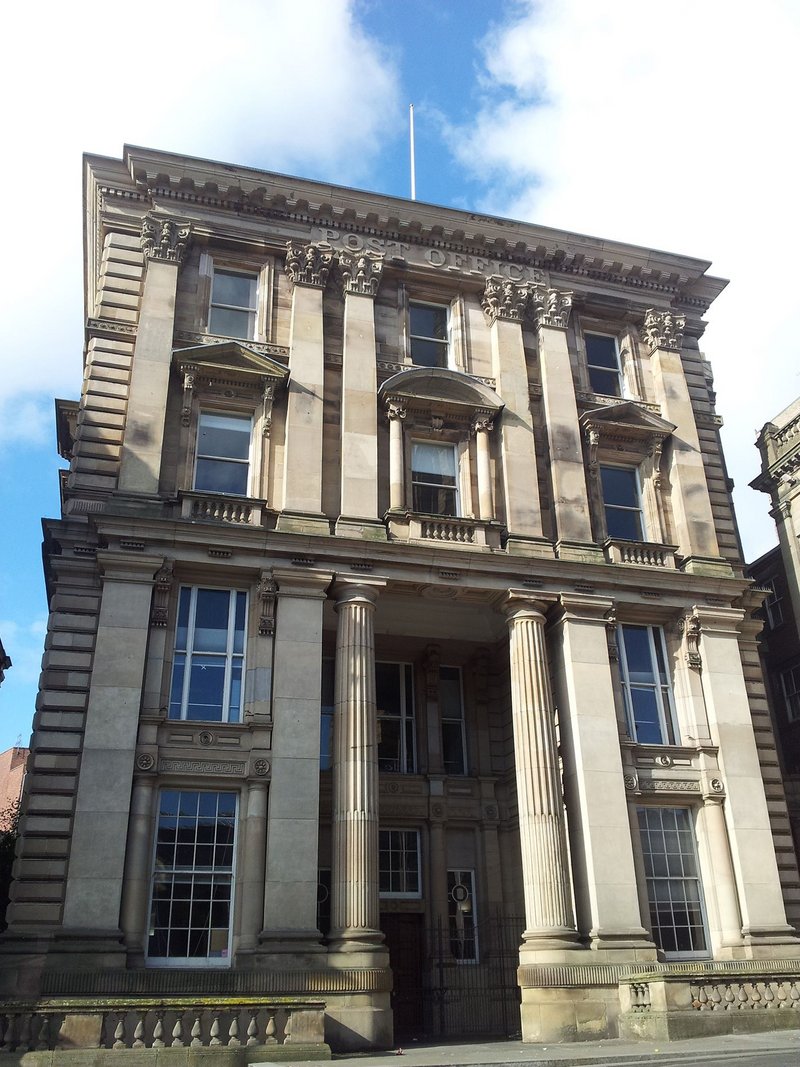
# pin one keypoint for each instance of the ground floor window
(398, 863)
(461, 915)
(674, 890)
(190, 914)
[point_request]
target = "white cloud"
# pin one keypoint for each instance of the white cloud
(291, 85)
(663, 126)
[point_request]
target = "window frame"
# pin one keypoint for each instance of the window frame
(449, 720)
(223, 413)
(229, 655)
(638, 509)
(229, 871)
(791, 692)
(773, 605)
(453, 910)
(696, 878)
(446, 344)
(455, 451)
(251, 310)
(620, 377)
(407, 719)
(392, 894)
(665, 703)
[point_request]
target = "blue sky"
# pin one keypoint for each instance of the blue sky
(667, 125)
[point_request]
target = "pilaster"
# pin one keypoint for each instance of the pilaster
(361, 273)
(551, 309)
(307, 267)
(504, 305)
(164, 242)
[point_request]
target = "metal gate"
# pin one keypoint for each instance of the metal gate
(473, 992)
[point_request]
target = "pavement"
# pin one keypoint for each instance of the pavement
(776, 1049)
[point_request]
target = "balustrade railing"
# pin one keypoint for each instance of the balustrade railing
(746, 996)
(640, 553)
(212, 507)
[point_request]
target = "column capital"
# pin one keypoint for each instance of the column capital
(781, 511)
(309, 264)
(165, 239)
(361, 272)
(396, 408)
(520, 604)
(585, 607)
(705, 619)
(551, 307)
(356, 589)
(164, 578)
(663, 329)
(482, 422)
(125, 567)
(304, 584)
(504, 299)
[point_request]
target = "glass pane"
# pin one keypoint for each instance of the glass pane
(389, 751)
(427, 321)
(620, 486)
(235, 698)
(227, 436)
(232, 288)
(428, 353)
(221, 476)
(211, 620)
(604, 381)
(638, 659)
(453, 748)
(436, 460)
(240, 622)
(450, 693)
(230, 323)
(182, 631)
(388, 696)
(601, 351)
(176, 692)
(206, 688)
(623, 524)
(645, 716)
(434, 500)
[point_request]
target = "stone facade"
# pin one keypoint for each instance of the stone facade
(397, 614)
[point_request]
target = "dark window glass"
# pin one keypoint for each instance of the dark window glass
(433, 479)
(233, 304)
(602, 361)
(223, 454)
(428, 330)
(623, 509)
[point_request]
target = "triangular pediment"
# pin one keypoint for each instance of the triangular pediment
(626, 418)
(437, 385)
(233, 359)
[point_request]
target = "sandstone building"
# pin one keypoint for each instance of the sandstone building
(397, 617)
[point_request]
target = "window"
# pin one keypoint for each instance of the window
(602, 361)
(324, 900)
(433, 478)
(209, 655)
(394, 696)
(673, 883)
(791, 690)
(461, 916)
(398, 863)
(622, 502)
(190, 913)
(773, 606)
(451, 710)
(233, 304)
(223, 453)
(645, 684)
(430, 335)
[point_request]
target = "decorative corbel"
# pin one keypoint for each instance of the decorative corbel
(159, 612)
(431, 664)
(656, 449)
(395, 408)
(189, 373)
(437, 423)
(267, 397)
(692, 630)
(611, 634)
(593, 440)
(267, 595)
(482, 422)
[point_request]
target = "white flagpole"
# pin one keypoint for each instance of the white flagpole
(413, 164)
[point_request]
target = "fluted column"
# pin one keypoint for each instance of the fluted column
(355, 903)
(482, 426)
(396, 412)
(138, 859)
(549, 920)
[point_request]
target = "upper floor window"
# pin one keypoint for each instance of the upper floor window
(429, 333)
(674, 890)
(773, 606)
(398, 863)
(223, 453)
(646, 685)
(394, 696)
(434, 478)
(327, 710)
(622, 503)
(191, 903)
(209, 655)
(790, 680)
(602, 361)
(451, 710)
(234, 296)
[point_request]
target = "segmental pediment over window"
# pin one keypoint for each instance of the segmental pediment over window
(448, 392)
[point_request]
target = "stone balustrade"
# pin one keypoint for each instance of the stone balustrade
(215, 507)
(175, 1023)
(450, 530)
(640, 553)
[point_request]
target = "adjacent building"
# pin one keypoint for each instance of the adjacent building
(401, 669)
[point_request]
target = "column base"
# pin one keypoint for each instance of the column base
(537, 547)
(361, 529)
(301, 522)
(580, 552)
